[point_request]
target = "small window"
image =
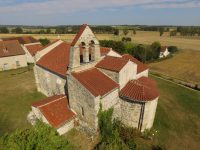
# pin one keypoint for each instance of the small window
(90, 57)
(17, 64)
(81, 58)
(82, 111)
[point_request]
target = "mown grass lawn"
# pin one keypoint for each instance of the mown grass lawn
(17, 92)
(177, 117)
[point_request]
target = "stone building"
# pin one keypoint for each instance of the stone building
(164, 52)
(78, 76)
(12, 55)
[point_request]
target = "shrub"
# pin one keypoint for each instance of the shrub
(173, 49)
(44, 41)
(126, 39)
(42, 137)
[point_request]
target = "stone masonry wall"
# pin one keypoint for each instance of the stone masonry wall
(7, 63)
(113, 75)
(149, 114)
(83, 102)
(130, 113)
(48, 83)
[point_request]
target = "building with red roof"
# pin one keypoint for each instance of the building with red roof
(77, 77)
(164, 52)
(12, 55)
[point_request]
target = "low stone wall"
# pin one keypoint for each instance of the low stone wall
(193, 86)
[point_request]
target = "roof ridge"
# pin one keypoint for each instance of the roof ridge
(52, 101)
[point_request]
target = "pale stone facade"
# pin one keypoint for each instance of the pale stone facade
(138, 114)
(48, 82)
(12, 62)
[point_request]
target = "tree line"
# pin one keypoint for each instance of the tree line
(142, 52)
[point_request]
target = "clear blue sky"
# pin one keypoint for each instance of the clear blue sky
(63, 12)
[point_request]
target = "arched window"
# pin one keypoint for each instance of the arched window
(91, 52)
(82, 47)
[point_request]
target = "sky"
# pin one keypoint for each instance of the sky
(100, 12)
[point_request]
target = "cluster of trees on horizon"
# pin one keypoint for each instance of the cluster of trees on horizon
(108, 29)
(144, 53)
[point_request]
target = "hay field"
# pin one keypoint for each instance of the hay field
(185, 65)
(142, 37)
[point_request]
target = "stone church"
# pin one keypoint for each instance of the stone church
(76, 77)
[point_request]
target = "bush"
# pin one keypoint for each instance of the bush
(42, 137)
(172, 49)
(44, 41)
(126, 39)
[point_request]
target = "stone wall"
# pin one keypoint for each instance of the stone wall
(66, 127)
(149, 114)
(113, 53)
(110, 99)
(7, 63)
(49, 83)
(83, 102)
(142, 74)
(127, 73)
(113, 75)
(130, 113)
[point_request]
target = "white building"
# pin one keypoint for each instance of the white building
(78, 76)
(164, 52)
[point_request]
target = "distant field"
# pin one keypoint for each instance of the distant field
(143, 37)
(185, 65)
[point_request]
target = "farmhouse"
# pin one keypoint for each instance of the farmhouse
(164, 52)
(12, 55)
(77, 77)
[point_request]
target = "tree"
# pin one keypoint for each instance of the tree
(125, 32)
(4, 30)
(18, 30)
(155, 50)
(40, 137)
(161, 30)
(172, 49)
(173, 33)
(44, 41)
(134, 31)
(116, 32)
(48, 31)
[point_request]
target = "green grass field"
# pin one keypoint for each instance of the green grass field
(17, 92)
(177, 117)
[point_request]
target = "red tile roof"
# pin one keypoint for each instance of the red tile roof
(82, 28)
(143, 89)
(104, 50)
(10, 48)
(140, 66)
(33, 49)
(56, 110)
(23, 39)
(112, 63)
(57, 60)
(95, 81)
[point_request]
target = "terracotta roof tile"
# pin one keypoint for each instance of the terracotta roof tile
(10, 48)
(143, 89)
(56, 110)
(33, 49)
(140, 66)
(82, 28)
(112, 63)
(23, 39)
(57, 60)
(104, 50)
(95, 81)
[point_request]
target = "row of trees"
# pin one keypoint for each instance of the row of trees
(142, 52)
